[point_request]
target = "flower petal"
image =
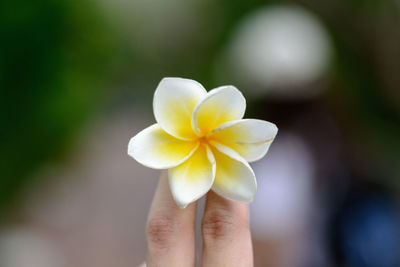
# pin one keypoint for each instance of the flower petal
(220, 105)
(193, 178)
(249, 137)
(173, 104)
(234, 179)
(155, 148)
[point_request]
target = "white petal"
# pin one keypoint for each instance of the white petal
(234, 178)
(193, 178)
(155, 148)
(249, 137)
(220, 105)
(173, 104)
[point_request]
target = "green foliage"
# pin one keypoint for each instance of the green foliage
(53, 58)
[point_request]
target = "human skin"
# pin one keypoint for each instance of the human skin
(170, 232)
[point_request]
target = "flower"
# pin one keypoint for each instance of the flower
(202, 139)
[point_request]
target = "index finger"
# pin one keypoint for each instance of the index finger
(170, 230)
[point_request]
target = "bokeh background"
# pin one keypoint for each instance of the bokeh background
(76, 82)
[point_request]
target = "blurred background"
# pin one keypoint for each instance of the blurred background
(77, 80)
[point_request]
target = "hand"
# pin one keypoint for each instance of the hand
(171, 232)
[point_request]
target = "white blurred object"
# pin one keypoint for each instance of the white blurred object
(281, 206)
(24, 247)
(279, 49)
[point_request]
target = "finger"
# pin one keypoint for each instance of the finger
(170, 230)
(226, 234)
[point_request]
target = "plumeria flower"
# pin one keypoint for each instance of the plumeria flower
(201, 138)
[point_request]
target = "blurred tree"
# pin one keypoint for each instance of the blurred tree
(53, 59)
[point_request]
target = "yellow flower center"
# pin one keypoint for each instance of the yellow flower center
(203, 140)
